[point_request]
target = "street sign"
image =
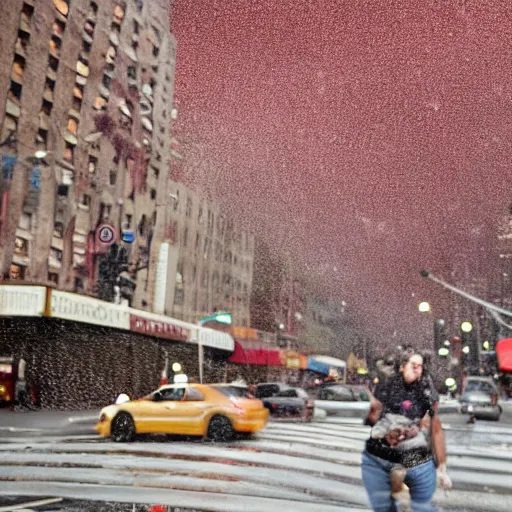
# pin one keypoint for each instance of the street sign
(128, 236)
(106, 234)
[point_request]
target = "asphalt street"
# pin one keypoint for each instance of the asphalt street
(288, 466)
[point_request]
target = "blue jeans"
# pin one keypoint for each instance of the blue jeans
(421, 481)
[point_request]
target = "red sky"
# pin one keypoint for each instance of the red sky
(370, 136)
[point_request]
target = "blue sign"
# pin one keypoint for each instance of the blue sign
(8, 163)
(128, 236)
(35, 179)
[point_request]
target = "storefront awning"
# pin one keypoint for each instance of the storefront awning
(244, 353)
(323, 364)
(504, 353)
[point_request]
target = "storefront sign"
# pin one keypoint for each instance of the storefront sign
(22, 300)
(216, 339)
(293, 362)
(156, 325)
(79, 308)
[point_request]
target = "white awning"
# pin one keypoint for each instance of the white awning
(216, 339)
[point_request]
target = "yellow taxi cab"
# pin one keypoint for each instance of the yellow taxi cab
(214, 411)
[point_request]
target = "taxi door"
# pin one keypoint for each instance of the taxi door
(188, 415)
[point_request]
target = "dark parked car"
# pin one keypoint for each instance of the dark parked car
(480, 399)
(285, 401)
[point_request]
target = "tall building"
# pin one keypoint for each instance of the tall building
(85, 130)
(213, 259)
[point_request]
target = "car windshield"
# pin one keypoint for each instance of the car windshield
(234, 391)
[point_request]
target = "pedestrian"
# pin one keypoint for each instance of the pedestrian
(385, 465)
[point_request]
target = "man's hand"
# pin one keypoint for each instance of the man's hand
(443, 478)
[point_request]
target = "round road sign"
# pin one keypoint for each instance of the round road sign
(106, 234)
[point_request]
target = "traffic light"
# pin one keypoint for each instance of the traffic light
(470, 347)
(438, 335)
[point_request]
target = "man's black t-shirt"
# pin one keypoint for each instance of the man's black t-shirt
(410, 400)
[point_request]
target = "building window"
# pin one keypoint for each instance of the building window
(86, 200)
(21, 247)
(112, 177)
(188, 211)
(53, 278)
(58, 230)
(198, 240)
(26, 221)
(185, 237)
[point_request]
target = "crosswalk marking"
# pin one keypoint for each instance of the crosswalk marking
(303, 465)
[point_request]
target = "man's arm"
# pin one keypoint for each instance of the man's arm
(438, 441)
(375, 412)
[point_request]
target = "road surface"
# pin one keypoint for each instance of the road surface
(289, 466)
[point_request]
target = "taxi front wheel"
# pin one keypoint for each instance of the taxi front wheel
(123, 428)
(220, 429)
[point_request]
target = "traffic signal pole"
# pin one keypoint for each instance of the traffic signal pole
(491, 308)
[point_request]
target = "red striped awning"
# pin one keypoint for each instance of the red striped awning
(504, 353)
(256, 355)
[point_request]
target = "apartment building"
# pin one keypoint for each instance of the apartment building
(85, 128)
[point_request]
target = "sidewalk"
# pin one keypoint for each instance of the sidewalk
(48, 422)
